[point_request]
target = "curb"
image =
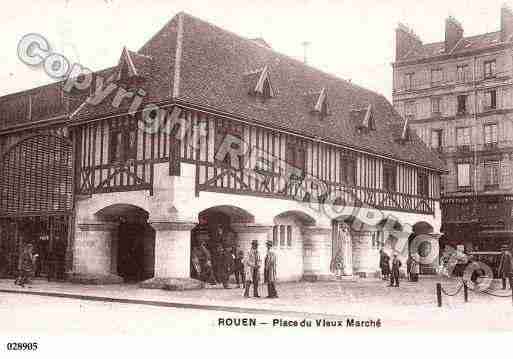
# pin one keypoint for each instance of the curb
(179, 305)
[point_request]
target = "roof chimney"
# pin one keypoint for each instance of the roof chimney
(405, 40)
(306, 46)
(506, 23)
(453, 33)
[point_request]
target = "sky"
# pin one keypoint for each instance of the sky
(350, 39)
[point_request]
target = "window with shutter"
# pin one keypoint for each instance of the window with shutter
(422, 184)
(389, 177)
(122, 143)
(296, 156)
(348, 170)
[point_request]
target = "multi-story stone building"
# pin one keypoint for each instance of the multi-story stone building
(458, 96)
(205, 135)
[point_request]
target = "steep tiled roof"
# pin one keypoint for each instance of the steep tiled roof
(466, 44)
(215, 61)
(201, 64)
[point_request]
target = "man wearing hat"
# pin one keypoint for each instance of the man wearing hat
(394, 277)
(270, 271)
(506, 267)
(252, 265)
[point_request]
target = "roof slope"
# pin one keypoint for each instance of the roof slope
(213, 72)
(213, 67)
(465, 45)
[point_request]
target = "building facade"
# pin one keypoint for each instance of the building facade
(458, 97)
(203, 135)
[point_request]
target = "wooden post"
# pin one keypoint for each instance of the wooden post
(439, 294)
(465, 291)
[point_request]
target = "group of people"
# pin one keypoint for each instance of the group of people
(217, 266)
(390, 268)
(30, 263)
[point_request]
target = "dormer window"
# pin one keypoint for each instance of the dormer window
(321, 104)
(260, 84)
(405, 133)
(126, 66)
(132, 68)
(267, 92)
(368, 123)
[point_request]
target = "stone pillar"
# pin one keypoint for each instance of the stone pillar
(172, 257)
(347, 250)
(172, 249)
(317, 243)
(95, 256)
(365, 255)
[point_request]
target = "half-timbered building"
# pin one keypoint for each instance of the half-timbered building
(206, 135)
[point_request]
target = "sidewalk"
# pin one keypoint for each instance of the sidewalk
(412, 305)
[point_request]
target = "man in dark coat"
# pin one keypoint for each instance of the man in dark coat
(270, 271)
(225, 266)
(384, 264)
(394, 278)
(238, 267)
(506, 267)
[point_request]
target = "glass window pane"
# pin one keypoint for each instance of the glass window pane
(282, 235)
(463, 174)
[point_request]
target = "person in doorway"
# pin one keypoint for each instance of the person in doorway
(384, 264)
(337, 264)
(195, 262)
(270, 271)
(506, 267)
(408, 268)
(218, 264)
(26, 265)
(394, 277)
(226, 264)
(415, 267)
(252, 265)
(207, 274)
(238, 268)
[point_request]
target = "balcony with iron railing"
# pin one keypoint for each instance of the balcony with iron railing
(426, 84)
(495, 147)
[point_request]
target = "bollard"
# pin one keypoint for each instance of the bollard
(465, 291)
(439, 294)
(511, 294)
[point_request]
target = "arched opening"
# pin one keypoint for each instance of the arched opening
(289, 240)
(215, 233)
(423, 248)
(133, 249)
(288, 227)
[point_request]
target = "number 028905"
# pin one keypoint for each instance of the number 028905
(21, 346)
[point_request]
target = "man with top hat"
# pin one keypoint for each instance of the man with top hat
(252, 265)
(506, 267)
(270, 271)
